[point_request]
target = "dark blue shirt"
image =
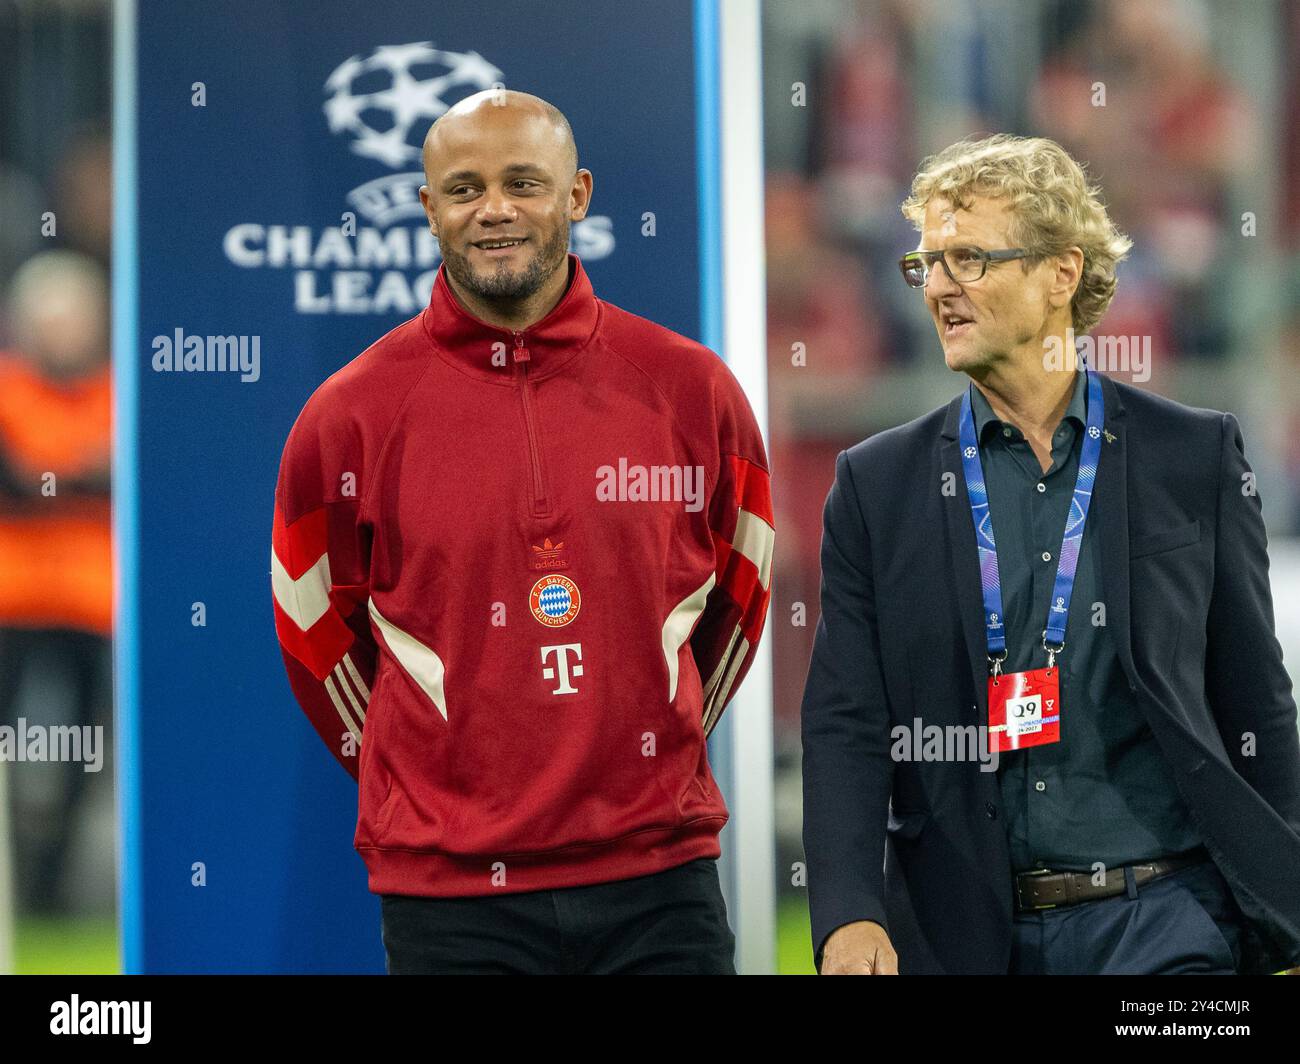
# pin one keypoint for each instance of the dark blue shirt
(1104, 792)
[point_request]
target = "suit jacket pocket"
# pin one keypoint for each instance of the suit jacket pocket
(1144, 544)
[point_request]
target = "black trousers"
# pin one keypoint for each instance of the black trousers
(67, 676)
(671, 923)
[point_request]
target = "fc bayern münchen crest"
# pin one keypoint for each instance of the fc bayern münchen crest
(554, 600)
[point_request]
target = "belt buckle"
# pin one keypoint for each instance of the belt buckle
(1035, 906)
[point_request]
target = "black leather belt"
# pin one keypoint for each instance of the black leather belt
(1045, 889)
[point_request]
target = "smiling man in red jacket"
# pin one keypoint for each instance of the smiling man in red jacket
(520, 563)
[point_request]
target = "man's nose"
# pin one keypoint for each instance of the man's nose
(496, 206)
(938, 283)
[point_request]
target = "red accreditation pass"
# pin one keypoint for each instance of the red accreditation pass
(1024, 709)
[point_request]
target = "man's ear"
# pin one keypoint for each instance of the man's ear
(427, 204)
(1069, 275)
(580, 195)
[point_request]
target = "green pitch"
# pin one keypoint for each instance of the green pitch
(66, 946)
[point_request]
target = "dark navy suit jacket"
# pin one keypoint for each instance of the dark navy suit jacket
(920, 846)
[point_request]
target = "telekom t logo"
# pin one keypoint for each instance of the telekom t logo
(561, 652)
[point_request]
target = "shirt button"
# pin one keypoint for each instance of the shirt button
(1040, 786)
(1047, 555)
(1006, 431)
(1041, 486)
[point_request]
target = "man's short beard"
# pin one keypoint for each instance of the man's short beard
(503, 286)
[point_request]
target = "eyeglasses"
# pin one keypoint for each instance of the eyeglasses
(962, 265)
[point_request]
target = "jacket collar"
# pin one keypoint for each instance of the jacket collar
(468, 343)
(1114, 407)
(987, 421)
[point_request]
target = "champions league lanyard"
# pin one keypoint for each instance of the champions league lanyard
(1025, 707)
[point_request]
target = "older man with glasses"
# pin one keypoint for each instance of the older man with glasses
(1046, 728)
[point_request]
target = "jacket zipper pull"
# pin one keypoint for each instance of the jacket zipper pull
(521, 352)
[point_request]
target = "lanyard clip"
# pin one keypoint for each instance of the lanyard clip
(1052, 651)
(995, 664)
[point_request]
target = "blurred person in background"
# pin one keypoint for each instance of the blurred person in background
(84, 193)
(55, 548)
(1141, 73)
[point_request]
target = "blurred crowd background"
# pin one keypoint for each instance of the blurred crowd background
(55, 431)
(1197, 147)
(1200, 125)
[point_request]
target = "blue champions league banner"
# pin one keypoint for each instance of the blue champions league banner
(267, 178)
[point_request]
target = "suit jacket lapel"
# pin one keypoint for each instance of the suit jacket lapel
(964, 559)
(1110, 510)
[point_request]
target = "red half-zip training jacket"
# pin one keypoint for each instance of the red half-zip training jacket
(517, 577)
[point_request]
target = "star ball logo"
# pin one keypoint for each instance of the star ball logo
(380, 257)
(401, 99)
(555, 600)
